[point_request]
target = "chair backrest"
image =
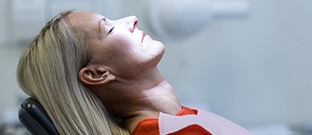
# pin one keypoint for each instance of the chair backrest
(35, 119)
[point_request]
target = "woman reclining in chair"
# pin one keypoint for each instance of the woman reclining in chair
(96, 76)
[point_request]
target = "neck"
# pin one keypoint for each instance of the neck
(148, 105)
(141, 98)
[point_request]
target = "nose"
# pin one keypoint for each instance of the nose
(130, 22)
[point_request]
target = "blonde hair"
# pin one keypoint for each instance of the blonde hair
(47, 71)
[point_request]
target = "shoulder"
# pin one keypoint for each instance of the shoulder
(146, 126)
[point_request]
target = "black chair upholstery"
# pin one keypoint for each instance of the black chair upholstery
(35, 119)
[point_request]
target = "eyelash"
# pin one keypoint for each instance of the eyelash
(111, 30)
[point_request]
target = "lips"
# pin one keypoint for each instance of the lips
(143, 35)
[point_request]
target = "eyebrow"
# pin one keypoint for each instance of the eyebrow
(100, 28)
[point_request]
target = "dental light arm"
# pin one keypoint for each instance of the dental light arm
(178, 19)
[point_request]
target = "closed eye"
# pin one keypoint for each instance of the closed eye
(111, 30)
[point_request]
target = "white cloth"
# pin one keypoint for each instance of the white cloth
(211, 122)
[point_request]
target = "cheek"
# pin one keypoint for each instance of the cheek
(122, 49)
(124, 44)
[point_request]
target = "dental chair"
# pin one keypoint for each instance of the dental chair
(33, 116)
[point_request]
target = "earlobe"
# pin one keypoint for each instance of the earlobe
(95, 75)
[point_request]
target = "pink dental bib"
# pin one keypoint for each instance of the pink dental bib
(211, 122)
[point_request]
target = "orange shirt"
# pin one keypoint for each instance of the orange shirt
(150, 126)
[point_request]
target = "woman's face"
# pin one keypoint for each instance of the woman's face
(118, 44)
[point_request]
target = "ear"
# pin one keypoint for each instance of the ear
(95, 75)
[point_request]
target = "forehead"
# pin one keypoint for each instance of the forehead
(88, 22)
(85, 20)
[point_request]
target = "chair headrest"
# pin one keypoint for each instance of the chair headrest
(33, 116)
